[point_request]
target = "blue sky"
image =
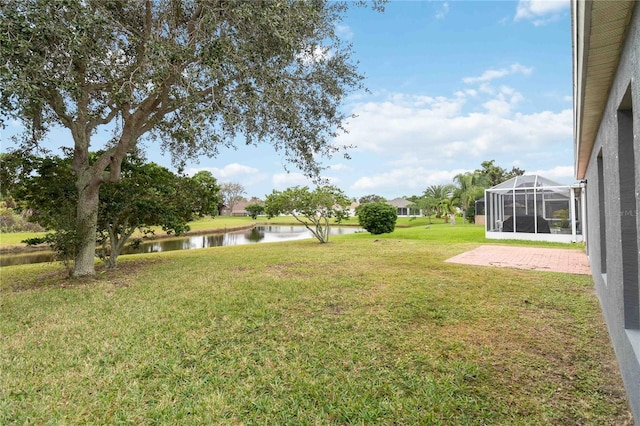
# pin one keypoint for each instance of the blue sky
(451, 84)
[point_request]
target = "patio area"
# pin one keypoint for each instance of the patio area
(535, 258)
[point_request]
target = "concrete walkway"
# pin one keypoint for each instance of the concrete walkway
(535, 258)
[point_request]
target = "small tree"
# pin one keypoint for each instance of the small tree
(254, 210)
(311, 208)
(377, 218)
(148, 195)
(207, 193)
(231, 193)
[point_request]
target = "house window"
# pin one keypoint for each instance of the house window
(628, 213)
(603, 216)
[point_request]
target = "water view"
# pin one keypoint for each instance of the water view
(258, 234)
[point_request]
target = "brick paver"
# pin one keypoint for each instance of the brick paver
(536, 258)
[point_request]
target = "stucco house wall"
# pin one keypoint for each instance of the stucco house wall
(611, 169)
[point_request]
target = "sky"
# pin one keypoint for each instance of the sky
(450, 85)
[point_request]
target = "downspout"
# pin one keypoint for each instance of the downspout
(572, 213)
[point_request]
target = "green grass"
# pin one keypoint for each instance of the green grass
(418, 228)
(363, 330)
(16, 238)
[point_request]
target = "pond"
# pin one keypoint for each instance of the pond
(258, 234)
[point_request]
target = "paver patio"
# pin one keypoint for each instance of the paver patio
(535, 258)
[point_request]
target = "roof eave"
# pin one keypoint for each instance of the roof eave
(594, 66)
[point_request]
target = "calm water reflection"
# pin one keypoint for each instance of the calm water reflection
(259, 234)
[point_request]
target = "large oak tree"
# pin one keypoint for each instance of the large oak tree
(189, 75)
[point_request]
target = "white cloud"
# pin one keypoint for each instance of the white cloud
(560, 174)
(247, 176)
(540, 12)
(412, 180)
(340, 167)
(344, 31)
(228, 172)
(497, 107)
(503, 103)
(411, 132)
(315, 54)
(489, 75)
(443, 11)
(285, 180)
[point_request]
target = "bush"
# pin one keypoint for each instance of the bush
(377, 218)
(11, 221)
(254, 210)
(471, 213)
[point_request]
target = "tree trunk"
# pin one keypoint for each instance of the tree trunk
(87, 223)
(117, 243)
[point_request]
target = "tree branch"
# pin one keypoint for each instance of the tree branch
(56, 102)
(99, 121)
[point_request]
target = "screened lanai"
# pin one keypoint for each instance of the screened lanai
(532, 207)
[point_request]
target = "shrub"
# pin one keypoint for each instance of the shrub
(377, 218)
(12, 221)
(254, 210)
(471, 213)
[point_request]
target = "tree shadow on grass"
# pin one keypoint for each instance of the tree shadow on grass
(121, 276)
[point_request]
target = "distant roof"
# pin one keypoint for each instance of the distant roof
(400, 202)
(527, 181)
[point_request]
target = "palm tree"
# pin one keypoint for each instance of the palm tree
(440, 196)
(469, 188)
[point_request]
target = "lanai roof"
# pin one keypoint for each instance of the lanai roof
(526, 181)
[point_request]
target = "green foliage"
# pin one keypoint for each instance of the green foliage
(50, 195)
(189, 76)
(15, 166)
(206, 194)
(470, 213)
(470, 187)
(316, 207)
(493, 175)
(148, 195)
(438, 200)
(372, 198)
(254, 210)
(13, 221)
(563, 215)
(377, 218)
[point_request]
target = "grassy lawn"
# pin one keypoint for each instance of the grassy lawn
(363, 330)
(442, 232)
(15, 238)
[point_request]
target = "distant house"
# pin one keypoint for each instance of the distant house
(352, 208)
(606, 73)
(239, 208)
(403, 207)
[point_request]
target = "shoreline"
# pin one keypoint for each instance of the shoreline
(20, 249)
